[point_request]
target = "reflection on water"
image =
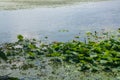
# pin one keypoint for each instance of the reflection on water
(48, 21)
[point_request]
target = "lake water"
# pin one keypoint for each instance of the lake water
(40, 22)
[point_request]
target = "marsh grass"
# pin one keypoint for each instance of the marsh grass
(23, 4)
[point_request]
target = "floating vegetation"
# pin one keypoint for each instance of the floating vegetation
(100, 52)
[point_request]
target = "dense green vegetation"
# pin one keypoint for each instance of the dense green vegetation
(100, 51)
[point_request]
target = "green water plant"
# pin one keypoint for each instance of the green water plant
(99, 51)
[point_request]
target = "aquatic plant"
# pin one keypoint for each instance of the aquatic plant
(99, 52)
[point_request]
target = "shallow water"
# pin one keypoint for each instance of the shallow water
(40, 22)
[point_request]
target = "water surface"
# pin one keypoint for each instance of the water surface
(40, 22)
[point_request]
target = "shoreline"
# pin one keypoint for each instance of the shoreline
(23, 4)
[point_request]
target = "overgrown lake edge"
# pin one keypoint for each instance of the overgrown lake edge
(98, 53)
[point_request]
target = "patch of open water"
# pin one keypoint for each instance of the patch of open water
(40, 22)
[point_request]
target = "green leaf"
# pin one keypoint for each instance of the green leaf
(31, 46)
(118, 78)
(103, 61)
(31, 54)
(55, 54)
(93, 56)
(77, 37)
(95, 68)
(74, 53)
(20, 37)
(2, 55)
